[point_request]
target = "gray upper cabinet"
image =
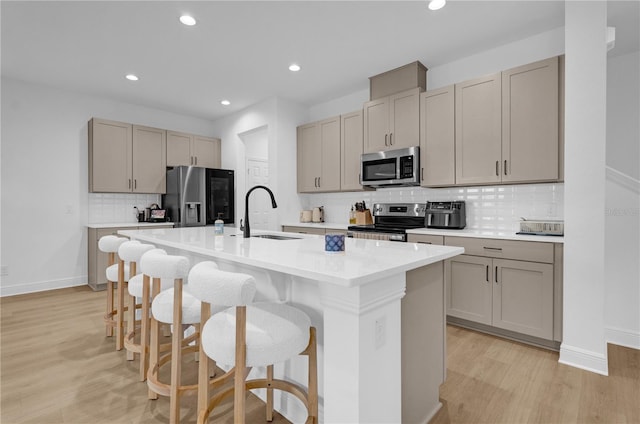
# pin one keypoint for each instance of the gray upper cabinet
(318, 156)
(508, 126)
(149, 160)
(192, 150)
(351, 145)
(392, 122)
(110, 163)
(125, 158)
(478, 130)
(437, 137)
(530, 122)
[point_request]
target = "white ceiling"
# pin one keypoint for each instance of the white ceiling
(240, 50)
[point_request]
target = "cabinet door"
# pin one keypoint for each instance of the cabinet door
(329, 179)
(478, 130)
(404, 119)
(179, 149)
(468, 288)
(523, 297)
(437, 137)
(206, 152)
(110, 157)
(149, 160)
(376, 125)
(309, 154)
(351, 142)
(530, 122)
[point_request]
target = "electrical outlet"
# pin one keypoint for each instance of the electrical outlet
(4, 270)
(380, 332)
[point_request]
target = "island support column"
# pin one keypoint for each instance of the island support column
(362, 351)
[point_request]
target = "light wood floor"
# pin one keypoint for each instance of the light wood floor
(58, 367)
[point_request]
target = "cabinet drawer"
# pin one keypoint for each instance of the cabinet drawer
(425, 238)
(505, 249)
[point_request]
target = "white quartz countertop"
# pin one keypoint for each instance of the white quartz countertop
(130, 224)
(362, 261)
(323, 225)
(505, 235)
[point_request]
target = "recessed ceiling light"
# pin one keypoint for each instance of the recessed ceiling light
(187, 20)
(225, 102)
(132, 77)
(437, 4)
(294, 67)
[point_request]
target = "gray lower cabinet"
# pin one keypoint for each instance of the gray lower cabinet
(506, 285)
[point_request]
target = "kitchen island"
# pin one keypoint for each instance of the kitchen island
(378, 308)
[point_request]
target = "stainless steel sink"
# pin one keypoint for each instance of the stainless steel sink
(270, 236)
(275, 237)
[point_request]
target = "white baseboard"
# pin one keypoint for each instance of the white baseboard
(622, 337)
(583, 359)
(42, 286)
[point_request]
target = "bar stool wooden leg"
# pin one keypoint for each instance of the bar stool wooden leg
(241, 365)
(154, 341)
(176, 353)
(120, 300)
(205, 365)
(144, 329)
(269, 393)
(110, 304)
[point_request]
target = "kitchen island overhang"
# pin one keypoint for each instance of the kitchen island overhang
(367, 327)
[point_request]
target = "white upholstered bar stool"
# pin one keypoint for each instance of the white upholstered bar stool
(110, 245)
(249, 335)
(130, 253)
(177, 307)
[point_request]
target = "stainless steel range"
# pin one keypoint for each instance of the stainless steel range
(391, 221)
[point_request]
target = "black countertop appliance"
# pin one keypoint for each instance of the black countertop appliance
(449, 215)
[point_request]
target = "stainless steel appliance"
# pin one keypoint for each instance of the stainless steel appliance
(450, 215)
(197, 196)
(391, 221)
(391, 168)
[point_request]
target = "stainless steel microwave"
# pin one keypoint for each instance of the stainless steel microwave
(391, 168)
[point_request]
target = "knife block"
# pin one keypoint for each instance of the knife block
(364, 217)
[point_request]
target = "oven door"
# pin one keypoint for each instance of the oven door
(372, 235)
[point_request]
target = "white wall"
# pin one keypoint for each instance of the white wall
(281, 118)
(622, 211)
(583, 342)
(45, 183)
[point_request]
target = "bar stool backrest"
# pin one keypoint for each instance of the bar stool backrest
(132, 251)
(212, 285)
(157, 264)
(111, 244)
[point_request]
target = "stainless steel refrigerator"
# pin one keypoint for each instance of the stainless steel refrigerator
(198, 196)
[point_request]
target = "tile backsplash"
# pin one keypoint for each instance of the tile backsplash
(118, 207)
(488, 207)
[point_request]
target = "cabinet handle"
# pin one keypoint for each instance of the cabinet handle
(135, 184)
(129, 183)
(386, 136)
(496, 275)
(421, 174)
(492, 248)
(195, 160)
(505, 167)
(424, 242)
(497, 170)
(390, 139)
(318, 182)
(487, 273)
